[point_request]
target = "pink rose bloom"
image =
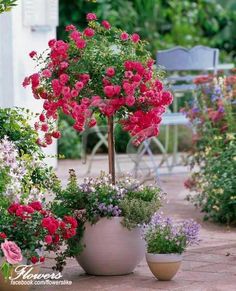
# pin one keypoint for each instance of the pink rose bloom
(32, 54)
(106, 24)
(70, 27)
(110, 72)
(135, 37)
(75, 35)
(63, 79)
(89, 32)
(51, 43)
(48, 239)
(81, 43)
(11, 252)
(74, 93)
(46, 73)
(79, 85)
(130, 100)
(91, 16)
(124, 36)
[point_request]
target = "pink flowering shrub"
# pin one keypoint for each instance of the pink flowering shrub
(98, 70)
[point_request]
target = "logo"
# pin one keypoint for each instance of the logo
(29, 275)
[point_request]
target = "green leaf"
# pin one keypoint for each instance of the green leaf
(6, 270)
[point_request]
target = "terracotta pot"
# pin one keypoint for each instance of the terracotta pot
(5, 285)
(110, 248)
(164, 266)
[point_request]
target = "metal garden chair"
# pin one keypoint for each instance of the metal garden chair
(181, 65)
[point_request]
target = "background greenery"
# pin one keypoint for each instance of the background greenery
(164, 24)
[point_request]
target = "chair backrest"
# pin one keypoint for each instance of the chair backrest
(198, 58)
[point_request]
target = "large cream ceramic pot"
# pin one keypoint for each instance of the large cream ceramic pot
(110, 248)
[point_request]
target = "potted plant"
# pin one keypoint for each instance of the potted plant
(102, 71)
(26, 232)
(108, 239)
(166, 241)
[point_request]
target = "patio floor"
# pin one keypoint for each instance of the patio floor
(210, 266)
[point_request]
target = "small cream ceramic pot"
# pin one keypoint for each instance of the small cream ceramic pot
(164, 266)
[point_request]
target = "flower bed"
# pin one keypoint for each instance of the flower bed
(214, 155)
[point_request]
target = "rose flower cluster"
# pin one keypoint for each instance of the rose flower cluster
(99, 70)
(31, 230)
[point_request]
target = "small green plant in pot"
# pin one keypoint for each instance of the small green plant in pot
(166, 241)
(109, 218)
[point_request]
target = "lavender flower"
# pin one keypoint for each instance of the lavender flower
(190, 229)
(164, 236)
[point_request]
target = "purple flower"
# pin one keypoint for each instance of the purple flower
(214, 97)
(164, 229)
(195, 109)
(221, 109)
(190, 229)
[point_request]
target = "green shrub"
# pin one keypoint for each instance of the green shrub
(164, 23)
(15, 123)
(69, 145)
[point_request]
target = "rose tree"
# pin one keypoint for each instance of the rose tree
(99, 70)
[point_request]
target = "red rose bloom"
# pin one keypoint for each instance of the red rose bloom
(51, 224)
(124, 36)
(34, 260)
(70, 220)
(106, 24)
(69, 233)
(13, 208)
(32, 54)
(36, 205)
(44, 127)
(70, 27)
(89, 32)
(56, 134)
(92, 123)
(3, 235)
(110, 72)
(56, 238)
(91, 16)
(81, 43)
(135, 37)
(48, 239)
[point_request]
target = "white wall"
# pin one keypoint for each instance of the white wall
(16, 41)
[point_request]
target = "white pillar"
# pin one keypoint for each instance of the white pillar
(19, 34)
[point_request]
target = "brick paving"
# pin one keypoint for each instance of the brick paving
(210, 266)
